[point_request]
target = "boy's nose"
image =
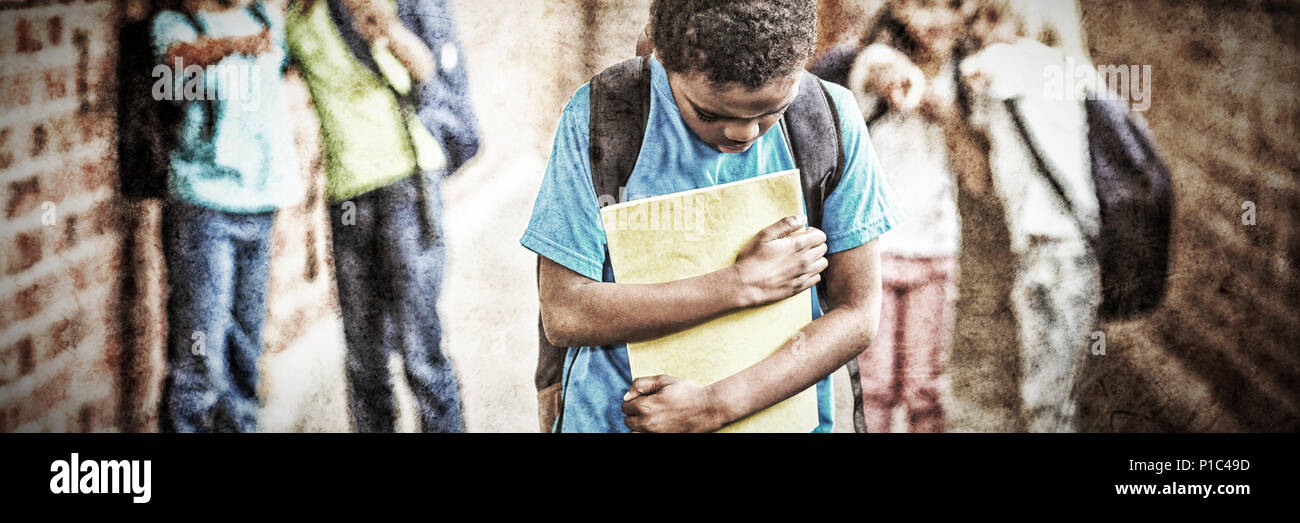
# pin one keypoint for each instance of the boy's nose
(741, 133)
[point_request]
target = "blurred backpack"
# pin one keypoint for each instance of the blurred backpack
(1136, 202)
(147, 128)
(620, 109)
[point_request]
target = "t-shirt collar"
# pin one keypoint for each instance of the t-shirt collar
(659, 80)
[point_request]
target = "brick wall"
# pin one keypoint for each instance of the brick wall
(82, 278)
(60, 246)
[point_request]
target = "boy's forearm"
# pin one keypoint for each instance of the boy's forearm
(587, 313)
(821, 347)
(815, 352)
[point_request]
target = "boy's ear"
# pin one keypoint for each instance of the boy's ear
(644, 44)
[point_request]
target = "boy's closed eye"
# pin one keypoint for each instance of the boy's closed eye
(706, 117)
(710, 117)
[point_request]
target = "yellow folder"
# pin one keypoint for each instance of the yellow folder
(685, 234)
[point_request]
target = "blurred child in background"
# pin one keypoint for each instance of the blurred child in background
(378, 89)
(233, 167)
(1056, 288)
(931, 78)
(904, 74)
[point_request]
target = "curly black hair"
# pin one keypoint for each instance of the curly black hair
(745, 42)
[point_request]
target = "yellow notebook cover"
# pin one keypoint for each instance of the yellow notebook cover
(685, 234)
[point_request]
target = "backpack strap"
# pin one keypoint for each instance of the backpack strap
(809, 120)
(806, 124)
(258, 9)
(1044, 166)
(620, 110)
(193, 20)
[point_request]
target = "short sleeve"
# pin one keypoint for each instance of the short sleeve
(860, 208)
(565, 226)
(170, 27)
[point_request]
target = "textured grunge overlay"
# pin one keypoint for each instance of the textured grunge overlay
(82, 285)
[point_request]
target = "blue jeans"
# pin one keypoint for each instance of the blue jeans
(217, 270)
(389, 262)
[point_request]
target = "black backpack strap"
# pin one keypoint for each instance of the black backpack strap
(193, 20)
(620, 109)
(808, 122)
(1044, 166)
(258, 10)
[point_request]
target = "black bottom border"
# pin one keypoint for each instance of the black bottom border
(542, 473)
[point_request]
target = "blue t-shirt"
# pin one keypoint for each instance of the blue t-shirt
(249, 162)
(566, 228)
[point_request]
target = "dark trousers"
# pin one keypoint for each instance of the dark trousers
(217, 269)
(389, 264)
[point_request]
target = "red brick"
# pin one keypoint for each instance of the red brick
(56, 83)
(31, 300)
(40, 139)
(26, 41)
(98, 173)
(45, 398)
(55, 28)
(8, 365)
(27, 251)
(65, 335)
(69, 236)
(96, 125)
(111, 354)
(6, 155)
(64, 129)
(24, 195)
(96, 415)
(15, 91)
(26, 354)
(84, 417)
(10, 414)
(105, 269)
(80, 274)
